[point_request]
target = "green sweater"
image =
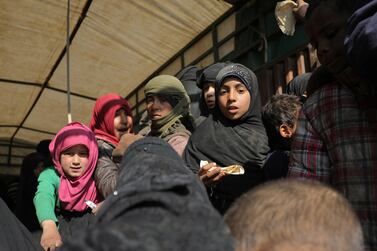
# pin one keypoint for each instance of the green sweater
(46, 197)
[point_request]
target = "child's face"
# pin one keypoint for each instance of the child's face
(122, 123)
(157, 107)
(234, 99)
(74, 161)
(326, 29)
(209, 94)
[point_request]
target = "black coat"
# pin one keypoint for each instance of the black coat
(159, 204)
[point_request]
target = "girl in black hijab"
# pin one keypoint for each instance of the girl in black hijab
(233, 134)
(206, 81)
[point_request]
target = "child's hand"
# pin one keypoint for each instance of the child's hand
(95, 210)
(300, 11)
(51, 238)
(210, 174)
(126, 140)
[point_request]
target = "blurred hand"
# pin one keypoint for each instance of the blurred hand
(210, 174)
(51, 238)
(95, 210)
(300, 11)
(125, 141)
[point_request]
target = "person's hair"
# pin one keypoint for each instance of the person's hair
(42, 148)
(342, 6)
(300, 214)
(280, 109)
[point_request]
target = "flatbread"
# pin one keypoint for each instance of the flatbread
(285, 17)
(234, 170)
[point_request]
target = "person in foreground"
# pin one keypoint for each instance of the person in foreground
(158, 204)
(290, 215)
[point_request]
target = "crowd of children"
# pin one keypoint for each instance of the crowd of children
(167, 185)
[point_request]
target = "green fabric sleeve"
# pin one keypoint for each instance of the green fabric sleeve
(47, 195)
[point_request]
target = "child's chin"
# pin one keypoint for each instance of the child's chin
(75, 175)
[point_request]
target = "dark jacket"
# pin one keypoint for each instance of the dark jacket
(159, 204)
(106, 173)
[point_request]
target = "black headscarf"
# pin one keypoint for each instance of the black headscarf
(228, 142)
(158, 205)
(188, 78)
(207, 75)
(297, 86)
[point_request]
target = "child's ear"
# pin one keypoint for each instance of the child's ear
(285, 131)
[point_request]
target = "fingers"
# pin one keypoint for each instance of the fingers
(125, 141)
(203, 170)
(95, 210)
(219, 176)
(52, 246)
(211, 173)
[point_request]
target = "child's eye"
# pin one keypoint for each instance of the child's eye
(163, 99)
(83, 154)
(149, 100)
(222, 91)
(241, 91)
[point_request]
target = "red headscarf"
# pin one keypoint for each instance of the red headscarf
(102, 121)
(73, 192)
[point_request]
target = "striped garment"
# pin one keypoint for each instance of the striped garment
(336, 143)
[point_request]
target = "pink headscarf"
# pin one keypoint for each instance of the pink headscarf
(102, 121)
(74, 192)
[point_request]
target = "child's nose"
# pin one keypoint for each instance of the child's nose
(76, 158)
(232, 95)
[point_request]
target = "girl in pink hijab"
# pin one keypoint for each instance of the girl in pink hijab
(74, 153)
(68, 185)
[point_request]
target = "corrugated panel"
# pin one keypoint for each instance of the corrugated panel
(6, 131)
(32, 36)
(226, 27)
(32, 136)
(15, 102)
(204, 44)
(50, 113)
(121, 43)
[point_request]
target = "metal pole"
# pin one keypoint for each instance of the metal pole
(68, 67)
